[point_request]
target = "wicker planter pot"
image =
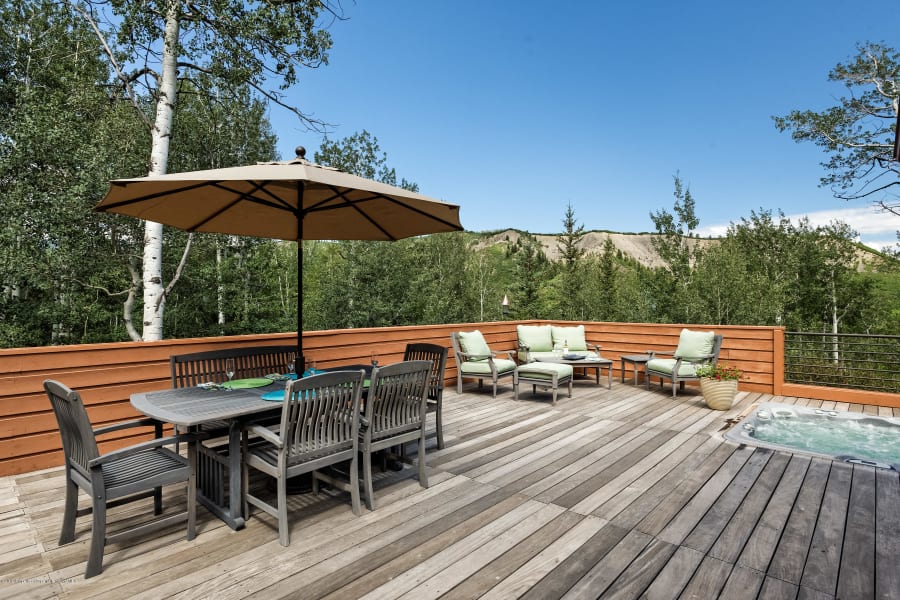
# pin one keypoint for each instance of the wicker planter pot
(719, 395)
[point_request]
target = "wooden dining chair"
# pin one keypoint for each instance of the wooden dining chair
(435, 398)
(319, 427)
(118, 477)
(395, 414)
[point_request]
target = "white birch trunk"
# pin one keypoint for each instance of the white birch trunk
(220, 293)
(154, 297)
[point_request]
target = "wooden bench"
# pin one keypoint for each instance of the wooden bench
(255, 361)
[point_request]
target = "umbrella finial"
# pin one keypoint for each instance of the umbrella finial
(301, 152)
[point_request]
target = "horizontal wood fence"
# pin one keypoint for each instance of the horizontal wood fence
(107, 374)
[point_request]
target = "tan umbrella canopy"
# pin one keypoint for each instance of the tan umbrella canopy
(290, 200)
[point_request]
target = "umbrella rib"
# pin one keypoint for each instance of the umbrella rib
(248, 196)
(451, 225)
(186, 188)
(348, 203)
(351, 204)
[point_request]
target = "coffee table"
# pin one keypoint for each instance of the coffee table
(586, 363)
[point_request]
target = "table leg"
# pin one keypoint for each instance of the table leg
(235, 474)
(230, 514)
(623, 369)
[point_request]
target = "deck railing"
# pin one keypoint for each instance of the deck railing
(107, 374)
(844, 360)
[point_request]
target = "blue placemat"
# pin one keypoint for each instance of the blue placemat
(276, 396)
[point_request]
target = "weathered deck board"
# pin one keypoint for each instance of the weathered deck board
(887, 542)
(613, 493)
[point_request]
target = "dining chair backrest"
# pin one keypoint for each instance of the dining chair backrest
(437, 355)
(321, 414)
(78, 440)
(188, 370)
(397, 398)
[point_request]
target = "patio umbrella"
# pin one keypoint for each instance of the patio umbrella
(291, 200)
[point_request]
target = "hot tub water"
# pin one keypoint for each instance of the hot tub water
(845, 436)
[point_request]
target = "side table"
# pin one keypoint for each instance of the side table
(636, 361)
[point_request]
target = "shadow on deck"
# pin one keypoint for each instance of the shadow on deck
(612, 493)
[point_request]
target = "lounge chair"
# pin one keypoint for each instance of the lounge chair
(475, 360)
(694, 348)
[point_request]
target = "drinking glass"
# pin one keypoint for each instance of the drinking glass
(372, 359)
(290, 368)
(229, 368)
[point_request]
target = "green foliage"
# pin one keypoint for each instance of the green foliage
(719, 372)
(678, 254)
(60, 135)
(66, 271)
(858, 133)
(226, 47)
(530, 268)
(360, 154)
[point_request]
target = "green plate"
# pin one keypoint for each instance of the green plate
(242, 384)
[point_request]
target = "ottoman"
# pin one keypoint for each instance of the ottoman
(542, 374)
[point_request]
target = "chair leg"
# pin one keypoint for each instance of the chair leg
(439, 424)
(674, 389)
(157, 501)
(367, 480)
(245, 486)
(423, 476)
(354, 485)
(98, 538)
(192, 492)
(71, 512)
(570, 387)
(284, 532)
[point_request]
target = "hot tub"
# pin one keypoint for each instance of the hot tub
(851, 437)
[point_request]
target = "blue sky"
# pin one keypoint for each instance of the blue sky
(515, 109)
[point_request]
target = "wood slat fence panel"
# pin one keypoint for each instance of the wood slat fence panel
(107, 374)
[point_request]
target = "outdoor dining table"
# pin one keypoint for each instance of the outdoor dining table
(189, 407)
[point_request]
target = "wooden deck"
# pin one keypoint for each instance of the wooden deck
(614, 493)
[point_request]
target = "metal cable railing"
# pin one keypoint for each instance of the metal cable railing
(848, 360)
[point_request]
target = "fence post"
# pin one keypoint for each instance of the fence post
(777, 360)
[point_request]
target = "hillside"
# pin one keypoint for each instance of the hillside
(635, 245)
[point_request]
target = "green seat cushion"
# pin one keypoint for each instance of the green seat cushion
(473, 342)
(536, 337)
(693, 344)
(667, 365)
(573, 336)
(483, 367)
(544, 371)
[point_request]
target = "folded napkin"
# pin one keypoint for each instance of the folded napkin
(276, 396)
(209, 385)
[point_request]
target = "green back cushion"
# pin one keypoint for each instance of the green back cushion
(573, 336)
(692, 344)
(536, 337)
(472, 342)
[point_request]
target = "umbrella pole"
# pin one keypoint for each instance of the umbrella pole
(300, 359)
(302, 365)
